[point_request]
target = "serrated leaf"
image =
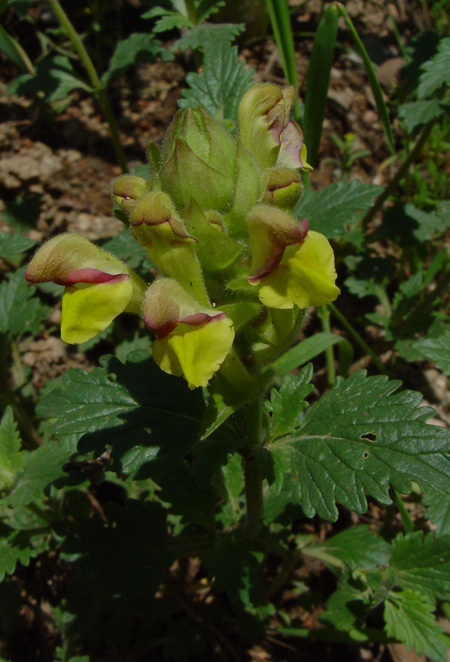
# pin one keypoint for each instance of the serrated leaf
(11, 244)
(126, 248)
(20, 312)
(438, 510)
(416, 114)
(359, 438)
(359, 547)
(14, 548)
(11, 457)
(288, 402)
(148, 417)
(223, 80)
(436, 71)
(54, 79)
(41, 467)
(409, 618)
(331, 209)
(137, 48)
(232, 486)
(424, 562)
(138, 344)
(207, 36)
(168, 20)
(436, 350)
(234, 564)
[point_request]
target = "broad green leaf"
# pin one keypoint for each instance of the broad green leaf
(137, 48)
(359, 438)
(55, 79)
(288, 402)
(407, 224)
(438, 510)
(11, 457)
(41, 467)
(308, 349)
(333, 208)
(150, 419)
(436, 71)
(223, 80)
(424, 562)
(436, 350)
(126, 347)
(20, 312)
(409, 618)
(208, 36)
(15, 547)
(168, 20)
(11, 244)
(359, 547)
(416, 114)
(347, 606)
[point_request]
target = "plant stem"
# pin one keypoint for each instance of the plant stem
(252, 477)
(324, 314)
(407, 522)
(355, 335)
(402, 171)
(368, 635)
(98, 89)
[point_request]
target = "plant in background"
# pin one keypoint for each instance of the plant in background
(209, 448)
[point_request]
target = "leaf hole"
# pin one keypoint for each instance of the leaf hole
(365, 455)
(370, 436)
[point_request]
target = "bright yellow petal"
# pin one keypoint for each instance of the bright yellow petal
(275, 291)
(87, 310)
(312, 272)
(195, 352)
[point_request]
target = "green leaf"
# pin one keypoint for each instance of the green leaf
(231, 488)
(12, 49)
(308, 349)
(150, 419)
(359, 547)
(41, 467)
(438, 510)
(168, 19)
(126, 347)
(138, 48)
(360, 438)
(288, 402)
(234, 563)
(424, 562)
(11, 457)
(15, 548)
(20, 312)
(436, 71)
(347, 606)
(11, 244)
(418, 113)
(208, 36)
(54, 79)
(331, 209)
(125, 247)
(318, 80)
(436, 350)
(409, 618)
(223, 80)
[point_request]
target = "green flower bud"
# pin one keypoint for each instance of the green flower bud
(157, 226)
(199, 160)
(265, 128)
(127, 190)
(282, 187)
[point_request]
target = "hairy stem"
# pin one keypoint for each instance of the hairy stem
(252, 477)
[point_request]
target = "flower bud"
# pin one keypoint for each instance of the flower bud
(98, 285)
(157, 227)
(191, 341)
(199, 160)
(282, 187)
(127, 190)
(265, 129)
(271, 230)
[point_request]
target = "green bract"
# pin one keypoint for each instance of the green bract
(237, 270)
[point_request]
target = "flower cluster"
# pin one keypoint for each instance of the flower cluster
(237, 269)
